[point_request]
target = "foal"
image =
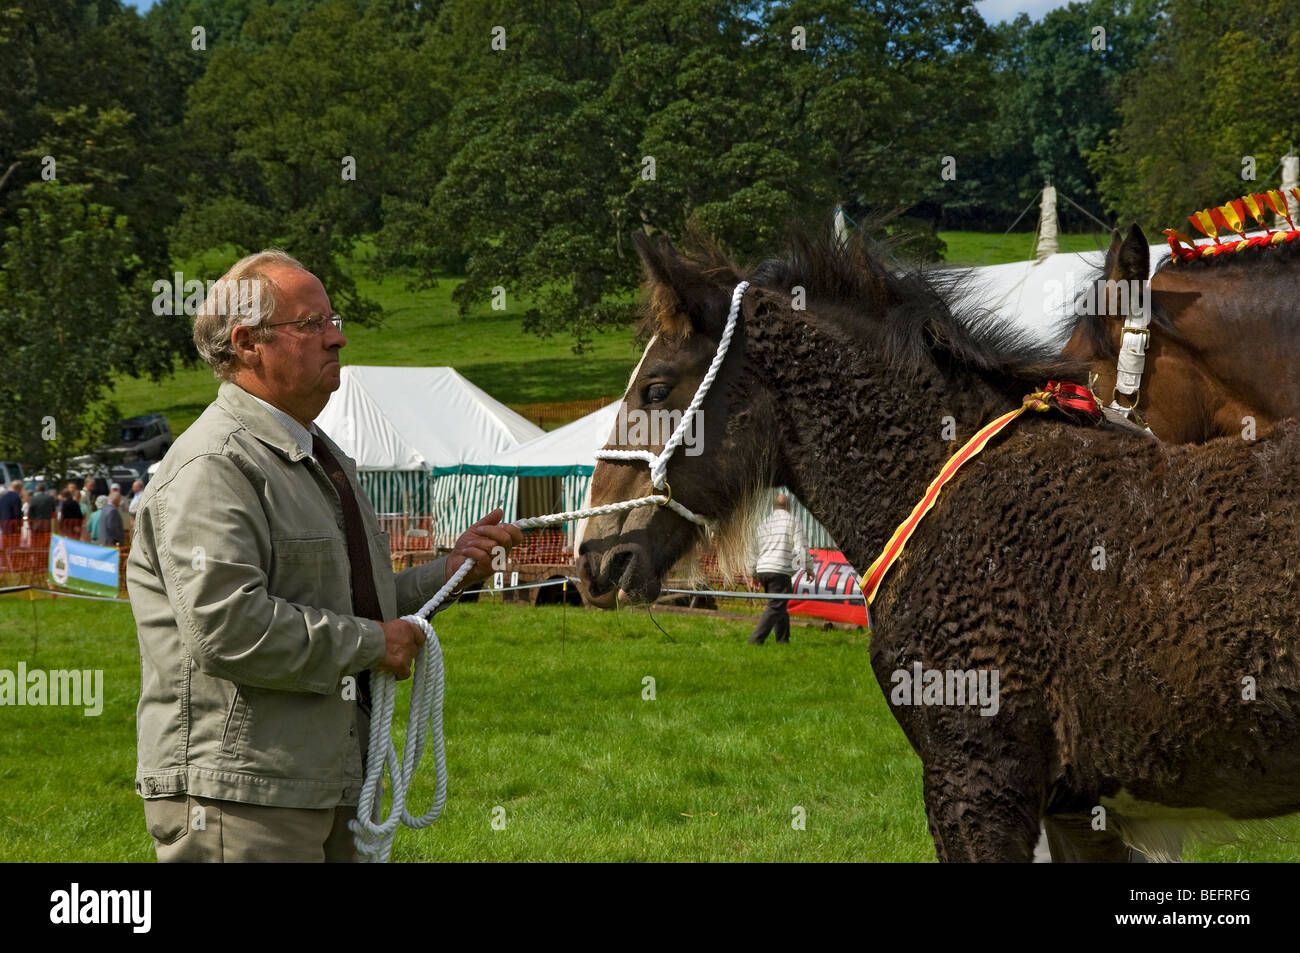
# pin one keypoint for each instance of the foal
(1132, 604)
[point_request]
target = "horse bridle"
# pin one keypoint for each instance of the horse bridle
(1132, 360)
(659, 462)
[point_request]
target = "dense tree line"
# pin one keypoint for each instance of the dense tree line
(519, 143)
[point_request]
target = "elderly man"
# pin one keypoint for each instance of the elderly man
(263, 592)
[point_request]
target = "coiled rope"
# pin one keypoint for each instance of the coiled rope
(373, 833)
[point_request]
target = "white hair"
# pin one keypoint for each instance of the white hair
(227, 305)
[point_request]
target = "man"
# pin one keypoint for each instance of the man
(40, 512)
(11, 513)
(782, 552)
(110, 531)
(263, 592)
(136, 489)
(70, 513)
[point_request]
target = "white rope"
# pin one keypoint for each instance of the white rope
(374, 833)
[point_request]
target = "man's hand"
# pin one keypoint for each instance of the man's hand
(478, 543)
(402, 643)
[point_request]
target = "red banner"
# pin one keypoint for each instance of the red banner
(831, 575)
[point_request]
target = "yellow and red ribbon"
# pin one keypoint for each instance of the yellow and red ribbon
(1070, 398)
(1231, 217)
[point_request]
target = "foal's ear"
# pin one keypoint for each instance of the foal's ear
(683, 299)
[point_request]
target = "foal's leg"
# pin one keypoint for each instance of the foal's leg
(979, 812)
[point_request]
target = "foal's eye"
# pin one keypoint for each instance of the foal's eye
(656, 393)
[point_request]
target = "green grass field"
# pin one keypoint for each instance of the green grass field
(982, 248)
(545, 718)
(489, 347)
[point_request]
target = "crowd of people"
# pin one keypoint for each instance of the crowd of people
(27, 517)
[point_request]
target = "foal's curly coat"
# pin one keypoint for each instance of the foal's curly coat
(1138, 601)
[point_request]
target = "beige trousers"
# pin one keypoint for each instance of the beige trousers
(188, 829)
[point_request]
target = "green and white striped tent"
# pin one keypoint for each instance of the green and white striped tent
(418, 434)
(427, 442)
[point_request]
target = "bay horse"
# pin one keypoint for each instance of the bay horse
(1136, 600)
(1224, 343)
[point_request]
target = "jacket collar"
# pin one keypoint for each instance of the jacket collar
(258, 421)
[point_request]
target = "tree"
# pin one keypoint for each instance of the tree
(1217, 89)
(70, 317)
(296, 134)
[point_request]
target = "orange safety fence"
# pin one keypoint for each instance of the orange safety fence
(24, 556)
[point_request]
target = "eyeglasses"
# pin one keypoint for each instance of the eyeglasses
(314, 324)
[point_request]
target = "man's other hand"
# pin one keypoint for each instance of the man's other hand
(402, 643)
(486, 538)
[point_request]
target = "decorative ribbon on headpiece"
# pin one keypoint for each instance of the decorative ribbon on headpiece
(1231, 217)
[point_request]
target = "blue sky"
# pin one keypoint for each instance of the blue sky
(994, 11)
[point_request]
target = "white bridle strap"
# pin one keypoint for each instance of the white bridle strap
(659, 462)
(1133, 348)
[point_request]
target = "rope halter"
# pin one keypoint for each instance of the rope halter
(659, 462)
(373, 832)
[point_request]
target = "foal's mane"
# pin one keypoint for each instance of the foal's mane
(917, 317)
(1267, 256)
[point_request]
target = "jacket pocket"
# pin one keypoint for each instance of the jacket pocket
(167, 818)
(233, 733)
(311, 571)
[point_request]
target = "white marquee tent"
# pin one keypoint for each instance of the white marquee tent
(402, 425)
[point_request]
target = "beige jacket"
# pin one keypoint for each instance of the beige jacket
(240, 585)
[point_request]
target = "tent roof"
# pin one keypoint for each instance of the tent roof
(409, 418)
(1039, 295)
(567, 450)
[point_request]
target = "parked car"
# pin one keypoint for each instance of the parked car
(10, 471)
(123, 475)
(146, 437)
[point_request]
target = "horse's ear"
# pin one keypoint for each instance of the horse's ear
(1135, 256)
(682, 298)
(1129, 258)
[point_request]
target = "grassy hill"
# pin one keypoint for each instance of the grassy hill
(422, 328)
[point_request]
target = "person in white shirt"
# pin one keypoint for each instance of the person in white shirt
(782, 552)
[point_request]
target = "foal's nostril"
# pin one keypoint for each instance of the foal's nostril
(617, 567)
